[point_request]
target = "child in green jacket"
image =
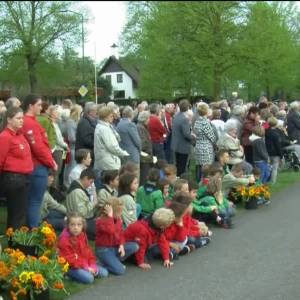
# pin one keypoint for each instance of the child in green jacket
(213, 206)
(149, 196)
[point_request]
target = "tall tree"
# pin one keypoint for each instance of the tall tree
(184, 44)
(34, 28)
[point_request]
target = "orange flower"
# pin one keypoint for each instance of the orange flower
(44, 260)
(4, 270)
(34, 229)
(58, 285)
(22, 292)
(9, 232)
(15, 283)
(24, 229)
(8, 251)
(13, 295)
(38, 280)
(61, 260)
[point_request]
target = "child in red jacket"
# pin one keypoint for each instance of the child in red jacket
(73, 246)
(149, 234)
(111, 248)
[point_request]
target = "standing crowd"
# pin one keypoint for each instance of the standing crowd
(144, 182)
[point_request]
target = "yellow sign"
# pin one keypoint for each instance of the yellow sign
(83, 91)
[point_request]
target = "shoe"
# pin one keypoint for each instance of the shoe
(204, 241)
(230, 223)
(267, 202)
(173, 256)
(187, 249)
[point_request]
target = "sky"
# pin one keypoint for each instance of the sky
(105, 29)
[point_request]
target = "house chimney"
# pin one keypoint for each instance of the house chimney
(114, 50)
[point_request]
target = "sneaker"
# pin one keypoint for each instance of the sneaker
(267, 202)
(204, 241)
(187, 249)
(173, 256)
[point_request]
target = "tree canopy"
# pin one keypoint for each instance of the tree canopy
(212, 47)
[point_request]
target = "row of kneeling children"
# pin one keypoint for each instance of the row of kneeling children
(164, 218)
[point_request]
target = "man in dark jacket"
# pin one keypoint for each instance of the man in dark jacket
(181, 137)
(293, 122)
(86, 129)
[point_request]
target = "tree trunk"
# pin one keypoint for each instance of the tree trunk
(216, 88)
(31, 74)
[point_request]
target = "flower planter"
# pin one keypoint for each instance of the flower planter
(251, 203)
(44, 295)
(27, 250)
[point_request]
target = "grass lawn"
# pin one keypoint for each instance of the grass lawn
(284, 180)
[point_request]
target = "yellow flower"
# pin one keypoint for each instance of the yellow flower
(20, 259)
(24, 277)
(46, 230)
(65, 268)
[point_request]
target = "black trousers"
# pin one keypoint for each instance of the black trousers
(15, 188)
(248, 154)
(181, 160)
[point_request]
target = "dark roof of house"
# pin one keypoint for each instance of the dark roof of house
(114, 65)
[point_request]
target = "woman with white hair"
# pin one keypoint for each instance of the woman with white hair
(130, 139)
(106, 146)
(236, 119)
(293, 122)
(230, 142)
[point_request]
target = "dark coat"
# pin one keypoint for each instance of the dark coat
(85, 133)
(273, 142)
(181, 134)
(293, 126)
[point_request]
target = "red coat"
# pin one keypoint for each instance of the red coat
(191, 226)
(37, 139)
(142, 233)
(15, 155)
(76, 250)
(156, 129)
(109, 232)
(176, 233)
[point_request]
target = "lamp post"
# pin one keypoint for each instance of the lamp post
(82, 38)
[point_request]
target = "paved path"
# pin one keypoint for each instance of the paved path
(257, 260)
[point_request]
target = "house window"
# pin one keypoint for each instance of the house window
(108, 78)
(119, 94)
(119, 78)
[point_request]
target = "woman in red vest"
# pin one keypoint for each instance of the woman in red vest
(41, 156)
(15, 167)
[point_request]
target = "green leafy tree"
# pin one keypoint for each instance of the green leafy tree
(34, 30)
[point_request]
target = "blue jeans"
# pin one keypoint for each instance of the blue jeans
(227, 213)
(84, 276)
(158, 151)
(37, 187)
(264, 171)
(154, 252)
(111, 259)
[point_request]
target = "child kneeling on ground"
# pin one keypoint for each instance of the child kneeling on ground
(73, 246)
(214, 207)
(111, 248)
(149, 234)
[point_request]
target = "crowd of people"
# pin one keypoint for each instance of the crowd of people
(125, 177)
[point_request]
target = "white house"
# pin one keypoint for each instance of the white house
(123, 78)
